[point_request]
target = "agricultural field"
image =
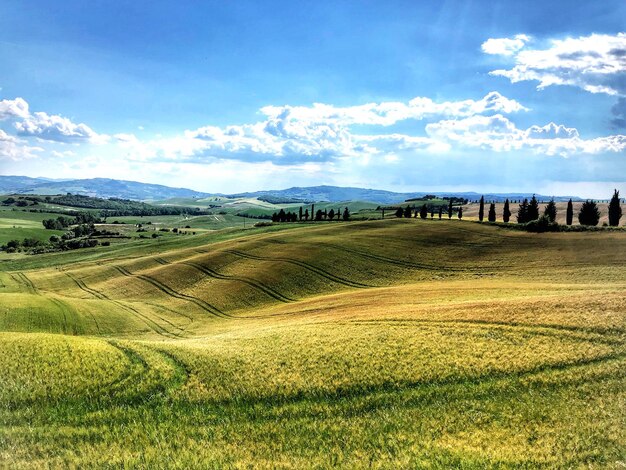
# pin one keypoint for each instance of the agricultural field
(385, 343)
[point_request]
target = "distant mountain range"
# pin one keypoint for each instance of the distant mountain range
(98, 187)
(104, 187)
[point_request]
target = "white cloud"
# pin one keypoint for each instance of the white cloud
(57, 128)
(499, 134)
(11, 109)
(595, 63)
(505, 46)
(319, 133)
(15, 149)
(389, 113)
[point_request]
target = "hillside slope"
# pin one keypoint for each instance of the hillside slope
(395, 343)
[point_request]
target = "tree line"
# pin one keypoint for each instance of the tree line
(528, 212)
(425, 209)
(303, 215)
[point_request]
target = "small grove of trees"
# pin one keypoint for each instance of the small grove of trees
(62, 222)
(589, 214)
(528, 211)
(78, 237)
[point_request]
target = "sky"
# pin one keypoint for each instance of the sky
(465, 95)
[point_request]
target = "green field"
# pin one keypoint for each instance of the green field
(383, 344)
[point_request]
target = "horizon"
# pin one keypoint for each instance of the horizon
(456, 97)
(416, 191)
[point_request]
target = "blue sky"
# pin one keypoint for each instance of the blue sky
(232, 96)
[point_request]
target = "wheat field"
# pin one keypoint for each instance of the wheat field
(383, 344)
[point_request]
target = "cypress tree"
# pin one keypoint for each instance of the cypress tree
(399, 212)
(550, 210)
(346, 214)
(506, 213)
(460, 215)
(481, 209)
(407, 212)
(331, 214)
(533, 209)
(492, 212)
(569, 215)
(440, 212)
(300, 213)
(522, 212)
(424, 211)
(450, 209)
(615, 211)
(312, 211)
(589, 214)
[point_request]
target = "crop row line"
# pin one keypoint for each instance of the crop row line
(172, 293)
(147, 320)
(319, 271)
(251, 282)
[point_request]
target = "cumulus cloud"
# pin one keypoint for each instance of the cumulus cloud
(12, 148)
(499, 134)
(389, 113)
(57, 128)
(317, 133)
(595, 63)
(505, 46)
(11, 109)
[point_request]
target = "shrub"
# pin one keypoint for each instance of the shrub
(542, 224)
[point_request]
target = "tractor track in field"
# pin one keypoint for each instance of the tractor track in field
(23, 279)
(250, 282)
(144, 318)
(599, 335)
(309, 267)
(64, 309)
(172, 293)
(82, 286)
(166, 386)
(384, 259)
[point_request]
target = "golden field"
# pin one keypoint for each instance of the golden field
(384, 344)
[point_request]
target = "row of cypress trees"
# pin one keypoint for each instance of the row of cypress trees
(282, 216)
(528, 211)
(408, 212)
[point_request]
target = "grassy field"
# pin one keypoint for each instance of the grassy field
(384, 344)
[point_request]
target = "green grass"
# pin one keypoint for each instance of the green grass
(386, 344)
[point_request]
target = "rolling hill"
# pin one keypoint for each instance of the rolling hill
(387, 343)
(104, 187)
